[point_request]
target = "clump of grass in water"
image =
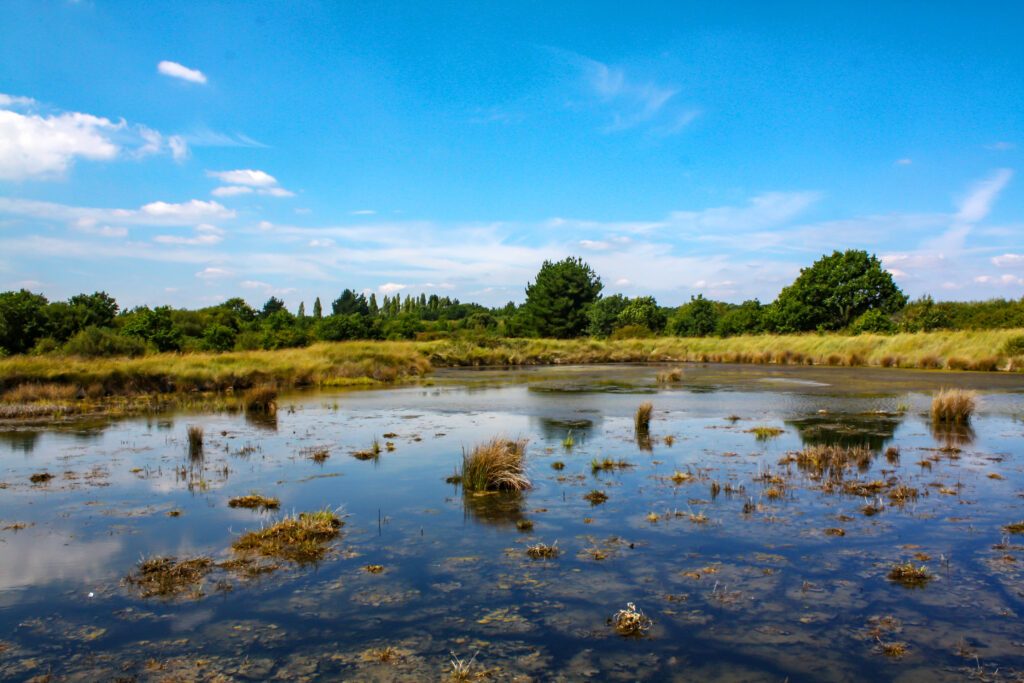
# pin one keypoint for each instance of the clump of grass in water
(908, 574)
(195, 441)
(40, 477)
(543, 551)
(630, 621)
(833, 459)
(1015, 528)
(497, 465)
(568, 442)
(317, 454)
(642, 419)
(255, 501)
(261, 399)
(608, 465)
(765, 432)
(558, 465)
(301, 538)
(670, 376)
(166, 577)
(371, 453)
(953, 406)
(596, 497)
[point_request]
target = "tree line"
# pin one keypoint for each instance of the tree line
(847, 292)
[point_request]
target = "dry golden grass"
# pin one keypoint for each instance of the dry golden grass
(908, 574)
(630, 621)
(953, 406)
(301, 539)
(496, 465)
(254, 501)
(195, 441)
(543, 551)
(670, 376)
(832, 460)
(166, 577)
(765, 432)
(608, 465)
(642, 418)
(260, 399)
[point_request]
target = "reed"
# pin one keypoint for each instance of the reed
(195, 441)
(642, 418)
(953, 406)
(497, 465)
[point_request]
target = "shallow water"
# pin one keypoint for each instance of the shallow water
(758, 595)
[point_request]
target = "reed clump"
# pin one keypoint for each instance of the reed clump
(765, 432)
(195, 441)
(832, 460)
(953, 406)
(595, 497)
(496, 465)
(608, 465)
(672, 376)
(168, 577)
(543, 551)
(254, 501)
(261, 399)
(642, 418)
(909, 574)
(302, 539)
(630, 621)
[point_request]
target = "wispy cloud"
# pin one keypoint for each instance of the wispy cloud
(977, 203)
(154, 213)
(175, 70)
(247, 181)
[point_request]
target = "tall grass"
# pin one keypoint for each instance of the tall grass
(497, 465)
(953, 406)
(642, 418)
(195, 441)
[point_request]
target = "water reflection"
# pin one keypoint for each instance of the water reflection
(953, 435)
(266, 421)
(552, 428)
(502, 508)
(23, 441)
(872, 430)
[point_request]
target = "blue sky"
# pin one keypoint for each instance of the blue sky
(184, 152)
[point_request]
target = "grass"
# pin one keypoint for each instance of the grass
(260, 399)
(764, 432)
(496, 465)
(1015, 528)
(630, 621)
(596, 497)
(908, 574)
(318, 454)
(568, 442)
(195, 441)
(166, 577)
(642, 418)
(302, 539)
(608, 465)
(672, 376)
(543, 551)
(40, 477)
(371, 453)
(953, 406)
(254, 501)
(833, 460)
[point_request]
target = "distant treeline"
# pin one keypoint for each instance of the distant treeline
(845, 292)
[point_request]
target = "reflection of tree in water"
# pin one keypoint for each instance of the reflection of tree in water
(22, 440)
(872, 430)
(556, 429)
(500, 508)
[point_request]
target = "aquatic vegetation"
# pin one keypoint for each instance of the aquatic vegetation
(167, 577)
(497, 465)
(765, 432)
(371, 453)
(907, 574)
(1015, 528)
(669, 440)
(568, 442)
(462, 669)
(254, 501)
(524, 525)
(373, 568)
(302, 539)
(832, 460)
(835, 531)
(642, 418)
(678, 477)
(317, 454)
(670, 376)
(608, 465)
(195, 441)
(596, 497)
(953, 406)
(892, 454)
(630, 621)
(40, 477)
(260, 399)
(543, 551)
(894, 649)
(558, 465)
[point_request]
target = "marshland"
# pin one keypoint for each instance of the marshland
(742, 522)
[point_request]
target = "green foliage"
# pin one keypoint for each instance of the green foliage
(403, 326)
(341, 327)
(873, 321)
(747, 318)
(154, 326)
(643, 312)
(604, 314)
(631, 332)
(349, 302)
(318, 311)
(22, 320)
(1014, 346)
(219, 338)
(558, 301)
(699, 318)
(834, 291)
(96, 342)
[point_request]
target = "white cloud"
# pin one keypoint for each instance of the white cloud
(595, 245)
(1008, 260)
(206, 235)
(391, 287)
(16, 102)
(230, 190)
(905, 161)
(322, 243)
(175, 70)
(277, 192)
(212, 273)
(765, 210)
(623, 282)
(38, 147)
(975, 206)
(1001, 146)
(179, 147)
(90, 226)
(246, 176)
(194, 210)
(362, 212)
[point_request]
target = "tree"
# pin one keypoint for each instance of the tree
(558, 301)
(698, 318)
(349, 302)
(318, 312)
(835, 291)
(22, 320)
(273, 305)
(302, 310)
(154, 326)
(642, 311)
(747, 318)
(604, 313)
(94, 310)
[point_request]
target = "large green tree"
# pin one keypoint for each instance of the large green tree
(834, 292)
(22, 320)
(557, 302)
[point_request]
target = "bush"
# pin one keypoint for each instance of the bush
(1014, 346)
(873, 321)
(632, 332)
(94, 342)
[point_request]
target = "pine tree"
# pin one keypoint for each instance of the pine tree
(317, 310)
(302, 309)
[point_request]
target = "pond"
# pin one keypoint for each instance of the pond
(749, 564)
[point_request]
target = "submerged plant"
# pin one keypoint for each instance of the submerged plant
(953, 406)
(497, 465)
(630, 621)
(260, 399)
(568, 442)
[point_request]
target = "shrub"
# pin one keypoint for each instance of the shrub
(1014, 346)
(873, 321)
(94, 342)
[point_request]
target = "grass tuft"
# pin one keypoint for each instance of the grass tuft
(642, 419)
(953, 406)
(254, 501)
(302, 539)
(497, 465)
(908, 574)
(166, 577)
(543, 551)
(195, 441)
(765, 432)
(672, 376)
(261, 399)
(630, 621)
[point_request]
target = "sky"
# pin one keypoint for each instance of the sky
(187, 152)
